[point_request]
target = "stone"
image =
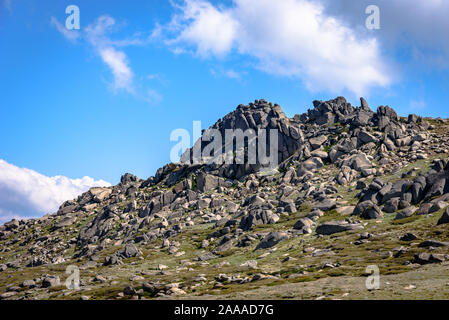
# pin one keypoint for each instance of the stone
(361, 185)
(129, 251)
(309, 165)
(51, 281)
(346, 175)
(317, 142)
(207, 182)
(433, 243)
(328, 228)
(345, 210)
(358, 162)
(251, 264)
(11, 225)
(408, 237)
(257, 217)
(100, 278)
(368, 210)
(206, 256)
(290, 208)
(253, 200)
(366, 137)
(7, 295)
(437, 206)
(325, 205)
(391, 205)
(272, 239)
(444, 218)
(28, 284)
(428, 258)
(424, 209)
(64, 222)
(320, 154)
(129, 291)
(363, 103)
(100, 194)
(407, 212)
(303, 223)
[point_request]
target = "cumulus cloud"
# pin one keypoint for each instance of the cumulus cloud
(420, 26)
(211, 30)
(294, 38)
(25, 193)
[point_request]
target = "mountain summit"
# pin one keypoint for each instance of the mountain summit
(351, 187)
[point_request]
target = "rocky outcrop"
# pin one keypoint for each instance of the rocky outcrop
(427, 190)
(193, 214)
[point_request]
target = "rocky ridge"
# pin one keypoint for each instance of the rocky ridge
(344, 172)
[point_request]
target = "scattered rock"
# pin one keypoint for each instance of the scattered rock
(272, 239)
(408, 237)
(51, 281)
(328, 228)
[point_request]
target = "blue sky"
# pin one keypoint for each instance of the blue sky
(103, 100)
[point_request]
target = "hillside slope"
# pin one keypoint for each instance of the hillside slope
(354, 188)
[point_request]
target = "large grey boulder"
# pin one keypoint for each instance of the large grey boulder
(391, 205)
(325, 204)
(253, 200)
(272, 239)
(207, 182)
(358, 162)
(394, 192)
(256, 217)
(51, 281)
(346, 175)
(407, 212)
(11, 225)
(128, 251)
(365, 137)
(368, 210)
(305, 224)
(310, 165)
(317, 142)
(328, 228)
(433, 243)
(428, 258)
(64, 222)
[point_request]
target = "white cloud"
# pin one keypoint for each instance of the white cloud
(292, 38)
(27, 193)
(110, 51)
(420, 26)
(115, 59)
(119, 65)
(230, 73)
(210, 29)
(153, 96)
(71, 35)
